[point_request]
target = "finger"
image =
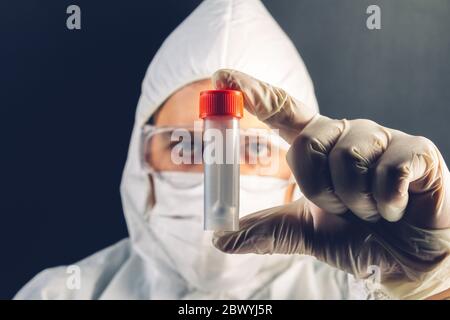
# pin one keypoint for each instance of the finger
(410, 165)
(308, 160)
(351, 161)
(284, 229)
(270, 104)
(296, 229)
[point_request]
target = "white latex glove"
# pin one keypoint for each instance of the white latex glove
(374, 196)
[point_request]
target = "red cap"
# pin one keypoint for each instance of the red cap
(221, 103)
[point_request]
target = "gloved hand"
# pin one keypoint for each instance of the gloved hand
(374, 196)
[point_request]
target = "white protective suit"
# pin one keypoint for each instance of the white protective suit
(238, 34)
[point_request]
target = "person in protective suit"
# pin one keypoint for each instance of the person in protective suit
(370, 196)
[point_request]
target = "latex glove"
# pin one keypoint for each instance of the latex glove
(374, 196)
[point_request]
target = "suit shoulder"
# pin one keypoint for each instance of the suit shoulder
(82, 280)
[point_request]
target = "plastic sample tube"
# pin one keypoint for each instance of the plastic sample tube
(221, 111)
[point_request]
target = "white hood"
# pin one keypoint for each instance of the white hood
(237, 34)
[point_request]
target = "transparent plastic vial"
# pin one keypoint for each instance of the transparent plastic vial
(221, 111)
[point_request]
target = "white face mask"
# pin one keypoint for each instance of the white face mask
(176, 221)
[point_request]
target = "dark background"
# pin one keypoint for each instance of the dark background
(67, 101)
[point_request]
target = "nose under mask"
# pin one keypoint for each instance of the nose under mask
(176, 221)
(181, 193)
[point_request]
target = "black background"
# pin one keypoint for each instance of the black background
(67, 102)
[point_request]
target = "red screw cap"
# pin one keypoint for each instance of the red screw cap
(221, 103)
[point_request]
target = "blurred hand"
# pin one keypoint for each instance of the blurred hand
(374, 196)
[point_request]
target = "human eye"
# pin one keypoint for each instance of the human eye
(181, 144)
(257, 150)
(187, 146)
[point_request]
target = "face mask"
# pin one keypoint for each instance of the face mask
(176, 222)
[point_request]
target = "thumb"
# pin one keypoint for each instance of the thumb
(301, 228)
(270, 104)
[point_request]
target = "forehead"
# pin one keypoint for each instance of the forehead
(181, 108)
